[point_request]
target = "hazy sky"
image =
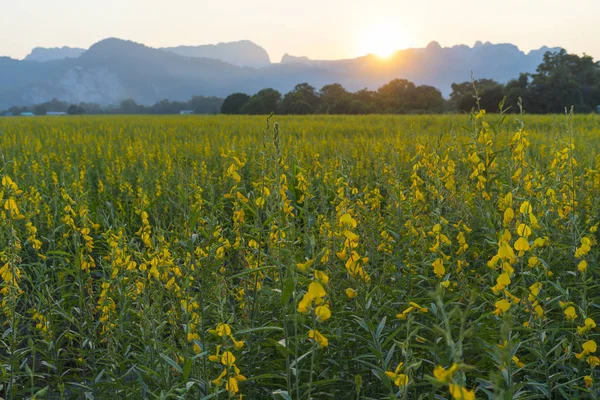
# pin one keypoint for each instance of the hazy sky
(324, 29)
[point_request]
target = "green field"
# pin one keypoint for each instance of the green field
(317, 257)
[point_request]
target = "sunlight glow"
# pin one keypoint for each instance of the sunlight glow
(382, 39)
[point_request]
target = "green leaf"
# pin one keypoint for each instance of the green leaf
(171, 363)
(264, 328)
(288, 290)
(253, 271)
(187, 369)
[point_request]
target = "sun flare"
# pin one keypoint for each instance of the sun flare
(381, 39)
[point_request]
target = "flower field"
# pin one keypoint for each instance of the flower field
(319, 257)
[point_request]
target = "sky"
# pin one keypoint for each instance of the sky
(319, 29)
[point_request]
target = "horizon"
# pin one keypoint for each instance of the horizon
(278, 60)
(309, 31)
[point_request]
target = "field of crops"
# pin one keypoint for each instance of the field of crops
(320, 257)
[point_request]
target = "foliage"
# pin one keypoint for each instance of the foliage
(490, 95)
(319, 257)
(233, 103)
(561, 81)
(197, 104)
(264, 102)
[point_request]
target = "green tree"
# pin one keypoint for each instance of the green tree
(429, 99)
(263, 102)
(397, 96)
(490, 92)
(75, 110)
(364, 102)
(205, 105)
(129, 106)
(234, 102)
(40, 109)
(334, 99)
(254, 106)
(303, 99)
(515, 89)
(563, 80)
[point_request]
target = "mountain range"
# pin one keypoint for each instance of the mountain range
(114, 69)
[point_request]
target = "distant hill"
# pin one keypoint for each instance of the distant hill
(436, 65)
(115, 69)
(243, 53)
(41, 54)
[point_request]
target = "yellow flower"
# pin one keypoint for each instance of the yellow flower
(503, 279)
(509, 214)
(522, 244)
(315, 289)
(514, 298)
(570, 313)
(444, 375)
(405, 313)
(260, 202)
(582, 266)
(540, 242)
(318, 338)
(501, 282)
(231, 171)
(232, 385)
(221, 330)
(505, 251)
(418, 307)
(227, 359)
(460, 393)
(304, 303)
(238, 344)
(351, 293)
(323, 313)
(518, 362)
(535, 291)
(398, 379)
(11, 205)
(438, 267)
(216, 357)
(321, 277)
(219, 379)
(523, 230)
(239, 377)
(590, 346)
(525, 208)
(533, 220)
(588, 325)
(351, 236)
(533, 261)
(347, 221)
(593, 361)
(589, 382)
(303, 267)
(502, 306)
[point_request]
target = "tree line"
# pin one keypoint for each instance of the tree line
(196, 105)
(398, 96)
(561, 80)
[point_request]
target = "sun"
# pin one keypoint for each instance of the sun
(381, 39)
